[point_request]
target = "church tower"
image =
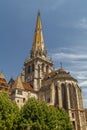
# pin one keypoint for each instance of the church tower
(38, 63)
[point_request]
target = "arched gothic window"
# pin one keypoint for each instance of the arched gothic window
(72, 96)
(48, 96)
(39, 69)
(74, 126)
(43, 67)
(32, 67)
(64, 96)
(56, 96)
(29, 69)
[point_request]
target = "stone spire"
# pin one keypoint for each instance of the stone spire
(38, 47)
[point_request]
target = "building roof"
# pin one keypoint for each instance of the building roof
(3, 83)
(59, 74)
(27, 86)
(2, 76)
(18, 84)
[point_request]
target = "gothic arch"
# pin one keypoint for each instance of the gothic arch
(64, 96)
(72, 96)
(29, 69)
(56, 96)
(32, 67)
(42, 67)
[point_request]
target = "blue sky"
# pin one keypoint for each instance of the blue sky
(65, 33)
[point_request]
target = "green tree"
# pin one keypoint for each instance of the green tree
(8, 113)
(39, 116)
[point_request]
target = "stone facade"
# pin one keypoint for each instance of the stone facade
(21, 92)
(56, 87)
(38, 64)
(62, 90)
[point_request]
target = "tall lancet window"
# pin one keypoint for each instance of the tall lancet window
(72, 96)
(56, 96)
(32, 67)
(43, 67)
(64, 96)
(39, 71)
(29, 69)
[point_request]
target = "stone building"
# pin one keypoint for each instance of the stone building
(60, 89)
(56, 87)
(21, 92)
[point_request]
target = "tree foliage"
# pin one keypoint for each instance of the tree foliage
(8, 113)
(39, 116)
(32, 116)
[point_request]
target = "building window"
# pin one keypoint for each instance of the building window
(57, 96)
(48, 100)
(73, 115)
(26, 70)
(13, 92)
(17, 101)
(23, 99)
(38, 71)
(29, 69)
(73, 123)
(48, 96)
(72, 96)
(64, 96)
(42, 67)
(32, 67)
(19, 92)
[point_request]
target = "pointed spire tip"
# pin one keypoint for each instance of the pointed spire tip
(38, 11)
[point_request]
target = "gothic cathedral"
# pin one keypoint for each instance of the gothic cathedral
(40, 80)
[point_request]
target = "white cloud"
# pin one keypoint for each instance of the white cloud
(83, 23)
(84, 83)
(69, 56)
(82, 74)
(76, 53)
(75, 61)
(85, 100)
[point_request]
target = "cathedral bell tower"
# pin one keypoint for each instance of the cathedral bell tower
(38, 63)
